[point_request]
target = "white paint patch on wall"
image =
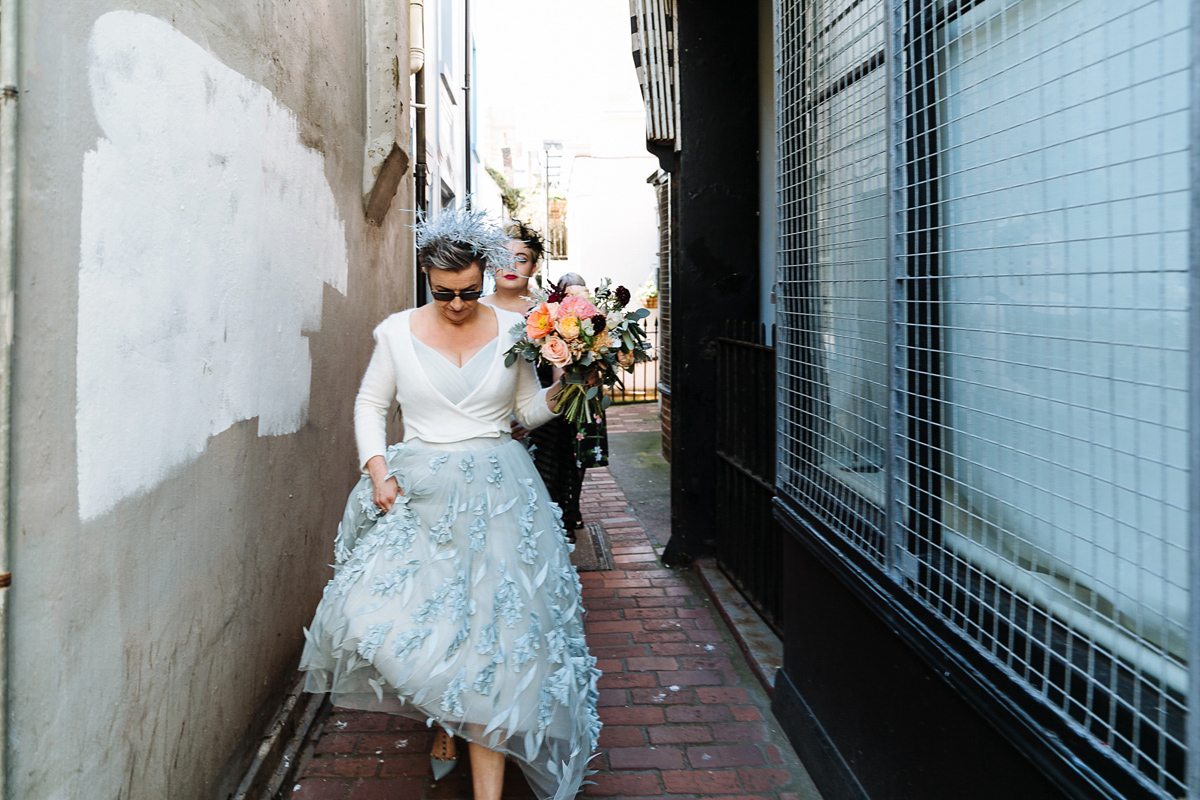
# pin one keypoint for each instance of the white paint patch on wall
(208, 233)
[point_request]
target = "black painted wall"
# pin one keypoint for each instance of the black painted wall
(716, 268)
(870, 718)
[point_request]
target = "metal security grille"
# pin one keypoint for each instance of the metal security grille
(833, 271)
(983, 350)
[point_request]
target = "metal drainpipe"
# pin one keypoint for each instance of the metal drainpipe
(416, 64)
(416, 36)
(8, 134)
(467, 101)
(1193, 717)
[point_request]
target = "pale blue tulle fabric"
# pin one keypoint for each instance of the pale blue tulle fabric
(461, 608)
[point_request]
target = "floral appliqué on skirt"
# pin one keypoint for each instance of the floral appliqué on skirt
(461, 608)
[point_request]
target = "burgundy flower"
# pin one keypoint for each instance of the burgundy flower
(598, 323)
(623, 296)
(557, 293)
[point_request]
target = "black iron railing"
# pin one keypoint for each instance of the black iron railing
(641, 386)
(749, 539)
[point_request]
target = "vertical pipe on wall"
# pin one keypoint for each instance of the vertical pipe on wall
(8, 135)
(416, 36)
(1193, 706)
(768, 161)
(416, 47)
(467, 102)
(894, 472)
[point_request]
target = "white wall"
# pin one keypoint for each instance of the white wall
(611, 221)
(445, 64)
(196, 285)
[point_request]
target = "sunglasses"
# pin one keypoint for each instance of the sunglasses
(446, 296)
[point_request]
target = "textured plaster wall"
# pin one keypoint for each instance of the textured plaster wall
(196, 287)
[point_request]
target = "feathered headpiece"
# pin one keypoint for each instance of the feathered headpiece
(475, 229)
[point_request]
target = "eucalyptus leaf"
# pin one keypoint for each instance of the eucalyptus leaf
(606, 402)
(641, 313)
(592, 392)
(510, 359)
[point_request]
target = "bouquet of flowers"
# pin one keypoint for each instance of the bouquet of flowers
(582, 332)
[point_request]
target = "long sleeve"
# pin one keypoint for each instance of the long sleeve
(373, 400)
(530, 405)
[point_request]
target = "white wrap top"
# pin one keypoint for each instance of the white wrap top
(395, 370)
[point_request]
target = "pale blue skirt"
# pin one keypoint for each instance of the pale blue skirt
(461, 608)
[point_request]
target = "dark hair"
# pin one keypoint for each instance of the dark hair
(447, 254)
(523, 233)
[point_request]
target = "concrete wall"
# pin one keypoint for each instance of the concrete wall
(196, 285)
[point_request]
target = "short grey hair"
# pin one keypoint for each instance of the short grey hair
(448, 255)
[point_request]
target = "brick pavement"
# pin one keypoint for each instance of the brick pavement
(632, 418)
(683, 717)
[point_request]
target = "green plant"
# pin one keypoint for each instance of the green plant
(648, 289)
(510, 196)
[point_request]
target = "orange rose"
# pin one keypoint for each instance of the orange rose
(539, 322)
(568, 328)
(556, 351)
(625, 359)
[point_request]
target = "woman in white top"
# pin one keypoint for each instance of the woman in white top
(453, 599)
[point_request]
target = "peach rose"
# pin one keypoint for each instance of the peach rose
(555, 351)
(539, 322)
(568, 328)
(625, 359)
